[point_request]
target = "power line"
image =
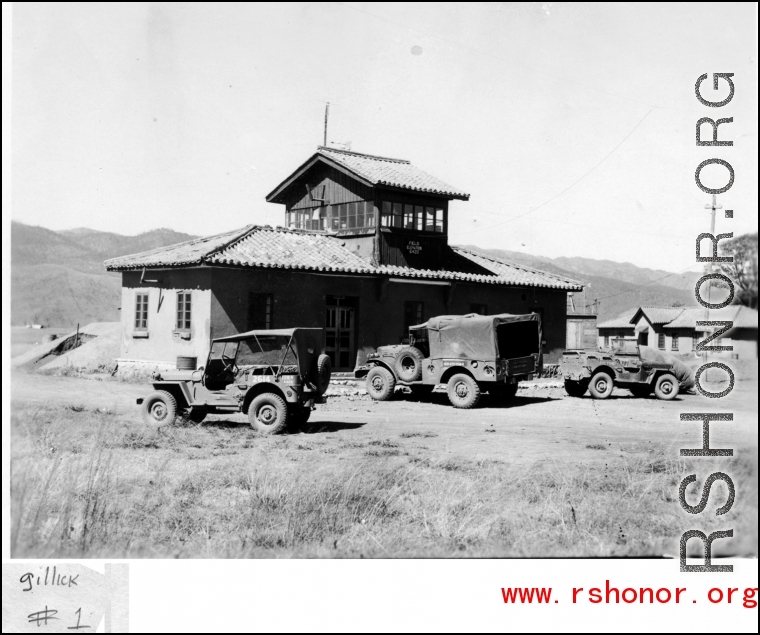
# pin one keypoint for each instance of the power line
(509, 220)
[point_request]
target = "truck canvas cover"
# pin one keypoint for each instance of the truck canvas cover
(471, 336)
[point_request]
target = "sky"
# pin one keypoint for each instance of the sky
(572, 126)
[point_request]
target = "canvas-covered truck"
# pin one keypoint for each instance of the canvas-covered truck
(274, 376)
(464, 355)
(626, 365)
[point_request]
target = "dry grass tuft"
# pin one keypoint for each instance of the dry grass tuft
(97, 483)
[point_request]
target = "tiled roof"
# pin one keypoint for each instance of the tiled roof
(741, 316)
(257, 246)
(378, 171)
(189, 252)
(519, 274)
(621, 321)
(659, 314)
(281, 248)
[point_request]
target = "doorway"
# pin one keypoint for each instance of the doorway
(340, 321)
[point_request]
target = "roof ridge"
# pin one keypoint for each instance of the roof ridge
(362, 154)
(503, 261)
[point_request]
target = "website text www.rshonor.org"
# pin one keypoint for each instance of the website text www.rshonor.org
(611, 594)
(720, 327)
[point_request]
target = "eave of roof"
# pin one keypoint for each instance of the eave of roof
(307, 250)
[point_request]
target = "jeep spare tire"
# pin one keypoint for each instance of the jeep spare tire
(408, 364)
(324, 372)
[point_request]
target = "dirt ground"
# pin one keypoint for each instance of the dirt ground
(546, 475)
(542, 424)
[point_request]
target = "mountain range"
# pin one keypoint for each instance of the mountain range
(58, 279)
(617, 286)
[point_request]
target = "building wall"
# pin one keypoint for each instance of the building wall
(221, 299)
(607, 334)
(582, 332)
(162, 342)
(300, 299)
(743, 341)
(336, 187)
(651, 331)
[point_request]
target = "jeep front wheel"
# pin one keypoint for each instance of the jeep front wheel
(666, 387)
(463, 391)
(601, 385)
(268, 413)
(159, 409)
(380, 383)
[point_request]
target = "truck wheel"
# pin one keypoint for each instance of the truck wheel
(380, 383)
(408, 364)
(268, 413)
(641, 390)
(601, 385)
(159, 409)
(666, 387)
(575, 388)
(324, 372)
(463, 391)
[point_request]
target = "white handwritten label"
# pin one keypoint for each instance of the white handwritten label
(60, 598)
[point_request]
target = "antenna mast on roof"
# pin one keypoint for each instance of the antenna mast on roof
(327, 114)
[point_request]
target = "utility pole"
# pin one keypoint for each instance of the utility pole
(712, 207)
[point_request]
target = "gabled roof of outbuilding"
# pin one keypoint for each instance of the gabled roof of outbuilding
(374, 171)
(621, 321)
(308, 250)
(658, 314)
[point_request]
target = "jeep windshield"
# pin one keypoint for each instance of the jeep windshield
(622, 346)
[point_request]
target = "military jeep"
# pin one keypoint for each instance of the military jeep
(274, 376)
(626, 365)
(461, 354)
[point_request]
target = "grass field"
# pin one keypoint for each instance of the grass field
(94, 482)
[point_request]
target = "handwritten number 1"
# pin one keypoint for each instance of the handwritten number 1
(79, 619)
